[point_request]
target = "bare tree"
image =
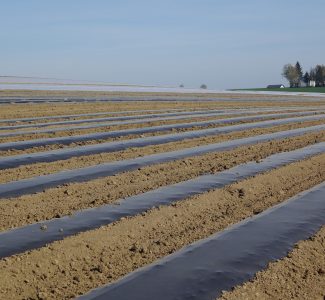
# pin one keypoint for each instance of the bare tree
(291, 73)
(306, 78)
(312, 74)
(320, 75)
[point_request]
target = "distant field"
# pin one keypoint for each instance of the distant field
(302, 90)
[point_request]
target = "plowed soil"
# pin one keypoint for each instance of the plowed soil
(38, 169)
(300, 275)
(71, 267)
(75, 265)
(72, 132)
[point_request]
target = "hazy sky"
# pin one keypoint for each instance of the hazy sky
(225, 44)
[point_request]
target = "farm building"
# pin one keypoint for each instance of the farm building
(275, 86)
(312, 83)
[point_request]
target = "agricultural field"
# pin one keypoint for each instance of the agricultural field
(208, 197)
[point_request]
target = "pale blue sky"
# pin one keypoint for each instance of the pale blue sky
(225, 44)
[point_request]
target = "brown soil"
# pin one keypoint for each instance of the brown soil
(64, 200)
(11, 111)
(101, 141)
(72, 132)
(90, 160)
(71, 267)
(301, 275)
(77, 264)
(107, 114)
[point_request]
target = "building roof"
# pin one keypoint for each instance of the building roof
(275, 86)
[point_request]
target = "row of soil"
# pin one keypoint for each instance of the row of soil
(71, 267)
(56, 109)
(30, 236)
(138, 117)
(69, 129)
(66, 199)
(80, 117)
(206, 268)
(98, 141)
(38, 169)
(66, 120)
(300, 275)
(12, 111)
(72, 132)
(89, 121)
(154, 96)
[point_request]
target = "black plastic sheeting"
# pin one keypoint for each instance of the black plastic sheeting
(62, 154)
(136, 117)
(120, 118)
(114, 123)
(12, 100)
(86, 115)
(206, 268)
(129, 122)
(37, 184)
(140, 121)
(22, 145)
(31, 236)
(132, 99)
(177, 98)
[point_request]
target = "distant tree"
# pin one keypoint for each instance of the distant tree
(323, 72)
(291, 74)
(203, 86)
(300, 73)
(306, 78)
(312, 74)
(181, 86)
(320, 75)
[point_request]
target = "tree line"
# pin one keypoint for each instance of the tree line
(296, 77)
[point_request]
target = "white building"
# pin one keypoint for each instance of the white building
(312, 83)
